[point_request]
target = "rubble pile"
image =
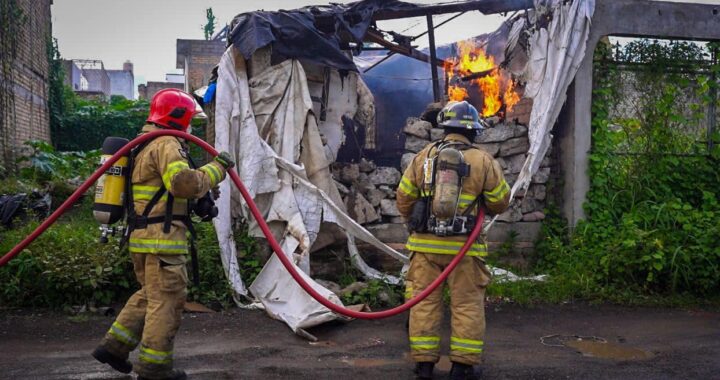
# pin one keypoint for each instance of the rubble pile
(368, 192)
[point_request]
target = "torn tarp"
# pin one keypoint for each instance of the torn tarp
(267, 123)
(556, 51)
(314, 33)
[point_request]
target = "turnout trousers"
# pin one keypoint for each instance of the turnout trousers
(151, 317)
(466, 285)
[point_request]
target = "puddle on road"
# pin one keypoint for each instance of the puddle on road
(596, 347)
(607, 350)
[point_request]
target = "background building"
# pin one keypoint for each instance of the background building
(89, 78)
(197, 58)
(122, 82)
(147, 91)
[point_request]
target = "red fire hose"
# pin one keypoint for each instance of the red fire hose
(261, 222)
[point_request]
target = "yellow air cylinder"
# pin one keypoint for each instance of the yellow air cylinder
(110, 188)
(447, 184)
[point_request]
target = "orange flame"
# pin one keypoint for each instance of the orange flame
(473, 59)
(511, 96)
(457, 93)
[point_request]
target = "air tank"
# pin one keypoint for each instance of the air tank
(110, 188)
(447, 184)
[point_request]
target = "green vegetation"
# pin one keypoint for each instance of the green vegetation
(376, 293)
(87, 123)
(653, 216)
(209, 27)
(65, 266)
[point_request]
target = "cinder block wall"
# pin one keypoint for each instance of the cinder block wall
(27, 117)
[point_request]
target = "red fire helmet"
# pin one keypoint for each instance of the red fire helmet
(172, 108)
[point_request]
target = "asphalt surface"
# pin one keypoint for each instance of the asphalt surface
(615, 343)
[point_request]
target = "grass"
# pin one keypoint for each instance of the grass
(557, 291)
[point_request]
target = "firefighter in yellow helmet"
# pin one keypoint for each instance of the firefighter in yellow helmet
(162, 182)
(438, 195)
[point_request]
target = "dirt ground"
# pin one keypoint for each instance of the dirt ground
(617, 343)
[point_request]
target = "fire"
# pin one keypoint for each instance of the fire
(473, 59)
(511, 96)
(457, 93)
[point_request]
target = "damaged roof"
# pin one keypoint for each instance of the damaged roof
(323, 34)
(314, 33)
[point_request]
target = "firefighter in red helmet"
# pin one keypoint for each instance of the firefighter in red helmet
(158, 219)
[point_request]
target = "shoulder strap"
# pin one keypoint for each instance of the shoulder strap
(130, 213)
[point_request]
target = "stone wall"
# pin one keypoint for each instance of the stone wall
(368, 191)
(27, 117)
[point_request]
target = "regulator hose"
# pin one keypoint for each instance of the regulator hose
(261, 222)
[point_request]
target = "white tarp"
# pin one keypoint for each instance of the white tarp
(267, 124)
(555, 55)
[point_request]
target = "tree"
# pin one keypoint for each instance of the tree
(209, 28)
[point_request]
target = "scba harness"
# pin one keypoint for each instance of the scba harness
(114, 200)
(437, 211)
(203, 207)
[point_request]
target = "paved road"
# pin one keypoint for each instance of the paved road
(618, 343)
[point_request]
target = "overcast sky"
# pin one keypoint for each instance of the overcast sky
(144, 31)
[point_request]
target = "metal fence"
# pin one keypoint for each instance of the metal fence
(638, 86)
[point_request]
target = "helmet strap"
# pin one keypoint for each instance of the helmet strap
(176, 125)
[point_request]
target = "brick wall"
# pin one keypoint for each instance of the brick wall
(198, 58)
(28, 118)
(147, 91)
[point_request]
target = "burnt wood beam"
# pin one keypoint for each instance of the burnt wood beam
(484, 6)
(433, 59)
(375, 36)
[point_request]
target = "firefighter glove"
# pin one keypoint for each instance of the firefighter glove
(225, 160)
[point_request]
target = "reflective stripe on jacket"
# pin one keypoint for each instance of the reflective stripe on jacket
(163, 162)
(486, 180)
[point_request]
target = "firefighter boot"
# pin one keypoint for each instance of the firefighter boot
(461, 371)
(176, 374)
(424, 370)
(119, 364)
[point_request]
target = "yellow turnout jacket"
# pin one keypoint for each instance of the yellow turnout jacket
(486, 179)
(163, 161)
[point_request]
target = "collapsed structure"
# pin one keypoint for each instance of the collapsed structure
(290, 101)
